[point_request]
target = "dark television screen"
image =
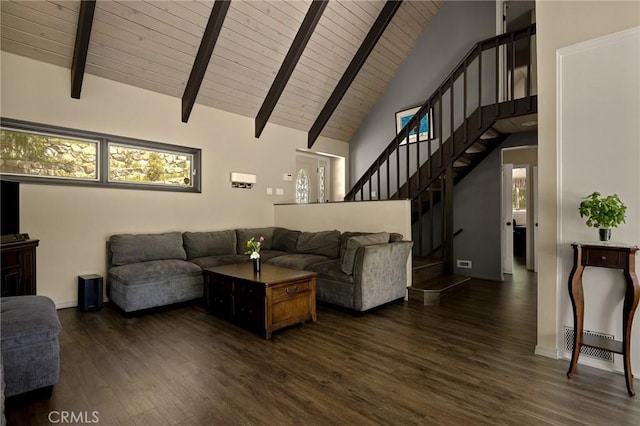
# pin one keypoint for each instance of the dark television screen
(9, 207)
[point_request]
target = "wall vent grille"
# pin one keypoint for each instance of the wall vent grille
(588, 350)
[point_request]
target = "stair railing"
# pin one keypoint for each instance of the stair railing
(389, 172)
(418, 164)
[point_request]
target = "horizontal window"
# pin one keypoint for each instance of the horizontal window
(38, 154)
(149, 166)
(47, 154)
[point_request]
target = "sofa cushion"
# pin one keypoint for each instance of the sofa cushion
(245, 234)
(325, 243)
(210, 261)
(201, 244)
(354, 243)
(285, 240)
(394, 237)
(27, 320)
(297, 261)
(144, 272)
(132, 248)
(331, 269)
(345, 237)
(270, 254)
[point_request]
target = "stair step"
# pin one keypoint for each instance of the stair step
(475, 148)
(426, 268)
(434, 291)
(461, 162)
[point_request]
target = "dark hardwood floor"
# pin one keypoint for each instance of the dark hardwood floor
(469, 362)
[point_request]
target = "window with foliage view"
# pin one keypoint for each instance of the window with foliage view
(39, 153)
(140, 165)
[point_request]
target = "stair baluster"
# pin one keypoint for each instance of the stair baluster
(432, 181)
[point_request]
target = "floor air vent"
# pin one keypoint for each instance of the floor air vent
(588, 350)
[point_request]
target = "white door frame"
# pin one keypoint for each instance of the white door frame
(506, 220)
(528, 251)
(327, 176)
(534, 178)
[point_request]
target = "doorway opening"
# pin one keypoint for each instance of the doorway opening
(313, 178)
(519, 208)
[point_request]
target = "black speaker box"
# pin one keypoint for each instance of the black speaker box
(89, 292)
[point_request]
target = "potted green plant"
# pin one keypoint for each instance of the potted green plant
(603, 213)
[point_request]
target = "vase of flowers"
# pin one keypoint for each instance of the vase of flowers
(253, 250)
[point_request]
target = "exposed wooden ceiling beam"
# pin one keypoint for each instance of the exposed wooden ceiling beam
(211, 32)
(286, 69)
(81, 47)
(374, 34)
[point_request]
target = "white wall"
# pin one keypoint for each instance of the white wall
(362, 216)
(73, 223)
(610, 68)
(588, 20)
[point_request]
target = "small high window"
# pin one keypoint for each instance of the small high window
(149, 166)
(40, 153)
(46, 155)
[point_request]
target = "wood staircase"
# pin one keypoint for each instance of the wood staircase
(456, 142)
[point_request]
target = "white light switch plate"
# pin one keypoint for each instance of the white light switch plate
(279, 191)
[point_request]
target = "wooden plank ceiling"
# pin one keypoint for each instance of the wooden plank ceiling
(152, 45)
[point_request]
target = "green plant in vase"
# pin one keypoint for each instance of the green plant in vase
(603, 213)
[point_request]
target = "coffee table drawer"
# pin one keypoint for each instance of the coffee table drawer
(291, 290)
(292, 311)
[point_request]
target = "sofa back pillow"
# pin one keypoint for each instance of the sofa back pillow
(213, 243)
(245, 234)
(348, 257)
(324, 243)
(345, 237)
(393, 237)
(285, 240)
(134, 248)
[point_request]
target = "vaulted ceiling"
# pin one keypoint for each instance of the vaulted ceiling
(153, 45)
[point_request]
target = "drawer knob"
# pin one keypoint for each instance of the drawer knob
(604, 257)
(293, 291)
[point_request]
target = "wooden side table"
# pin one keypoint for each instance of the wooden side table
(604, 255)
(18, 268)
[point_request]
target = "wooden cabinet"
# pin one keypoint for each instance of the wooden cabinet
(18, 260)
(604, 255)
(268, 301)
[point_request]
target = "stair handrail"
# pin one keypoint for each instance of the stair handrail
(478, 47)
(441, 245)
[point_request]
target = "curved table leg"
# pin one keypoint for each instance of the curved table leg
(631, 299)
(577, 301)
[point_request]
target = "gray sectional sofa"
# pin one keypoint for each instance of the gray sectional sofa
(355, 270)
(29, 351)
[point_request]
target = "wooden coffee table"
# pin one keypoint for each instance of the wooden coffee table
(268, 301)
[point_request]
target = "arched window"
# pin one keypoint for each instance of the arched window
(302, 187)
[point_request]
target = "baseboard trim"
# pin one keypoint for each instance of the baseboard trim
(65, 305)
(546, 352)
(594, 363)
